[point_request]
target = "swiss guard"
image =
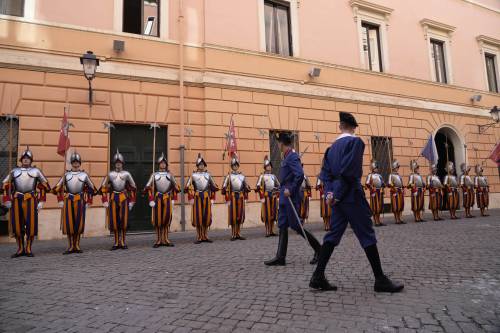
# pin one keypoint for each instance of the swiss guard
(305, 188)
(118, 196)
(417, 187)
(397, 192)
(25, 190)
(467, 186)
(235, 191)
(341, 173)
(201, 190)
(268, 188)
(162, 192)
(74, 193)
(435, 188)
(375, 184)
(291, 177)
(451, 187)
(482, 190)
(326, 210)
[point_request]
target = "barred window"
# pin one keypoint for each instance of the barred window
(382, 153)
(12, 7)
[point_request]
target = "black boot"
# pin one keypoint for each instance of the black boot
(382, 283)
(314, 243)
(279, 260)
(318, 280)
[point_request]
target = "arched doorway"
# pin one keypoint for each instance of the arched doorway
(446, 136)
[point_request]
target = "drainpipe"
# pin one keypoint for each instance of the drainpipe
(182, 147)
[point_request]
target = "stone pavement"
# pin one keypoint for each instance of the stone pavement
(451, 271)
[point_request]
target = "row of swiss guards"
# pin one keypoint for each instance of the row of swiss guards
(448, 191)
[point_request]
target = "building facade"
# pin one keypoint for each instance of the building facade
(406, 70)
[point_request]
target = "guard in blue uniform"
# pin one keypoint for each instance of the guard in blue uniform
(291, 176)
(341, 173)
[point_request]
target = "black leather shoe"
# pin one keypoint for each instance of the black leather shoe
(275, 262)
(156, 246)
(385, 285)
(31, 255)
(233, 239)
(241, 238)
(17, 255)
(114, 247)
(208, 240)
(67, 252)
(319, 282)
(124, 247)
(169, 244)
(198, 241)
(78, 251)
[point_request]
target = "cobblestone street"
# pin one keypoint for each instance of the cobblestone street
(451, 270)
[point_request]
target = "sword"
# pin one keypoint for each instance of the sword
(298, 220)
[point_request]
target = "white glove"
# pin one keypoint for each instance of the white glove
(39, 206)
(87, 205)
(263, 200)
(152, 204)
(227, 203)
(130, 205)
(191, 202)
(212, 201)
(8, 204)
(105, 204)
(173, 204)
(60, 204)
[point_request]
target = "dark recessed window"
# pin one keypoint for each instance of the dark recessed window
(12, 7)
(438, 59)
(491, 71)
(372, 50)
(141, 17)
(278, 28)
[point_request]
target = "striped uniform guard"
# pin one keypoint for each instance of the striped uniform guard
(201, 189)
(417, 186)
(74, 191)
(325, 208)
(397, 192)
(305, 188)
(24, 192)
(268, 189)
(118, 191)
(235, 191)
(375, 184)
(435, 188)
(162, 192)
(467, 186)
(482, 190)
(451, 190)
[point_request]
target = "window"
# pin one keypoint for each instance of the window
(371, 46)
(491, 71)
(274, 148)
(438, 59)
(12, 7)
(277, 28)
(141, 17)
(382, 153)
(9, 129)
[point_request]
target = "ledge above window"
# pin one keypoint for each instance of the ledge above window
(485, 40)
(370, 7)
(437, 28)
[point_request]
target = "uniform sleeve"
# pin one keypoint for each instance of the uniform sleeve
(104, 189)
(43, 187)
(175, 188)
(7, 188)
(131, 189)
(352, 161)
(58, 190)
(297, 176)
(224, 189)
(189, 188)
(90, 190)
(149, 188)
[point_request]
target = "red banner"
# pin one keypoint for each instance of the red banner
(64, 143)
(495, 154)
(231, 146)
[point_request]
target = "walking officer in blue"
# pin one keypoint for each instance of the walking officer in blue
(291, 176)
(341, 173)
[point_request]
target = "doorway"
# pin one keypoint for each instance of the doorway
(135, 143)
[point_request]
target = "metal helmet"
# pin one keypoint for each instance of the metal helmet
(450, 167)
(434, 168)
(27, 153)
(464, 168)
(118, 157)
(235, 160)
(395, 164)
(75, 157)
(374, 165)
(479, 169)
(414, 165)
(267, 162)
(200, 160)
(162, 158)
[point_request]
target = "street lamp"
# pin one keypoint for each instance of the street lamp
(90, 63)
(496, 119)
